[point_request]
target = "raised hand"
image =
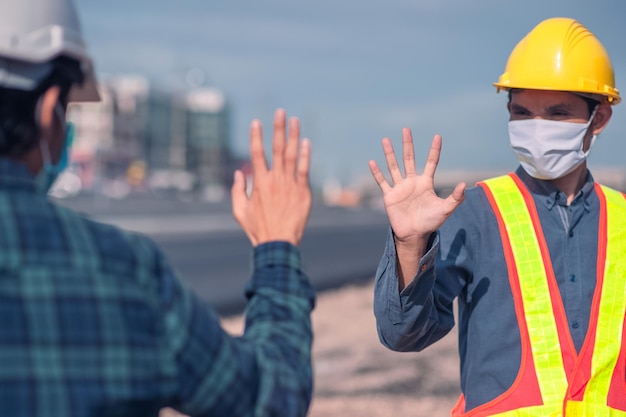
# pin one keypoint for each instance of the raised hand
(414, 209)
(280, 202)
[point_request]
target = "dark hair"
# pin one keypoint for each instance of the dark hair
(591, 103)
(19, 131)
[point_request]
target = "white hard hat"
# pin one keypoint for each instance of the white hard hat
(32, 34)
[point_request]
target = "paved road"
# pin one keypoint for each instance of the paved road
(213, 256)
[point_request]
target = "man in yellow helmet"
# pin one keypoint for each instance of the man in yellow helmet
(536, 258)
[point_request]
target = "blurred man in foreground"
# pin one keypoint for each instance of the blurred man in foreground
(93, 320)
(536, 258)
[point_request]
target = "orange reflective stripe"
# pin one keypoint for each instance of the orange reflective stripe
(533, 281)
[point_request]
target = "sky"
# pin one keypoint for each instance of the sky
(353, 71)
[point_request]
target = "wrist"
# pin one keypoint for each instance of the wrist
(415, 245)
(292, 240)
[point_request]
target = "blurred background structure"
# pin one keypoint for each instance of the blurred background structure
(143, 137)
(353, 71)
(173, 140)
(182, 81)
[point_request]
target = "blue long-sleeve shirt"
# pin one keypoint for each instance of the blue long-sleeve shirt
(465, 261)
(93, 322)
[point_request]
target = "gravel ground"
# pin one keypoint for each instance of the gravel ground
(356, 376)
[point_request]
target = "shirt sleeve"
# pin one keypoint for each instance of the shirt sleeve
(265, 372)
(422, 312)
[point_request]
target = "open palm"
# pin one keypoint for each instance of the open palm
(413, 207)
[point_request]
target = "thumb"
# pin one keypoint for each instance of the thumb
(238, 194)
(455, 199)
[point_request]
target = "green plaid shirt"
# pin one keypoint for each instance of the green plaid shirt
(93, 322)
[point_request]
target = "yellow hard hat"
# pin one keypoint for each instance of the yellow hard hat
(560, 54)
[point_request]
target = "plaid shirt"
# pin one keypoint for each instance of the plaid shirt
(93, 322)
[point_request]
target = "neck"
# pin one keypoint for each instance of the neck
(32, 159)
(572, 183)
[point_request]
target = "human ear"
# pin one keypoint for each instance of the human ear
(46, 111)
(601, 119)
(51, 128)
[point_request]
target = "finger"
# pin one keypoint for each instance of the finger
(379, 177)
(433, 157)
(278, 144)
(238, 194)
(392, 162)
(257, 153)
(291, 152)
(455, 199)
(408, 152)
(304, 161)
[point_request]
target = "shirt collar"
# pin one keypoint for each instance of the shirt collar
(14, 174)
(544, 191)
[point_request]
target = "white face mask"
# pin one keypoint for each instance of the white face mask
(549, 149)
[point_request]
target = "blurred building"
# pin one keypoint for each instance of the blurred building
(109, 135)
(207, 130)
(162, 126)
(130, 118)
(188, 144)
(93, 135)
(143, 136)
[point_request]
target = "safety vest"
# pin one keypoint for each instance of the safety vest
(553, 379)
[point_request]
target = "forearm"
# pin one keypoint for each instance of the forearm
(278, 326)
(408, 257)
(408, 320)
(265, 372)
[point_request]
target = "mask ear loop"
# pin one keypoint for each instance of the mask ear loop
(593, 137)
(44, 147)
(593, 114)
